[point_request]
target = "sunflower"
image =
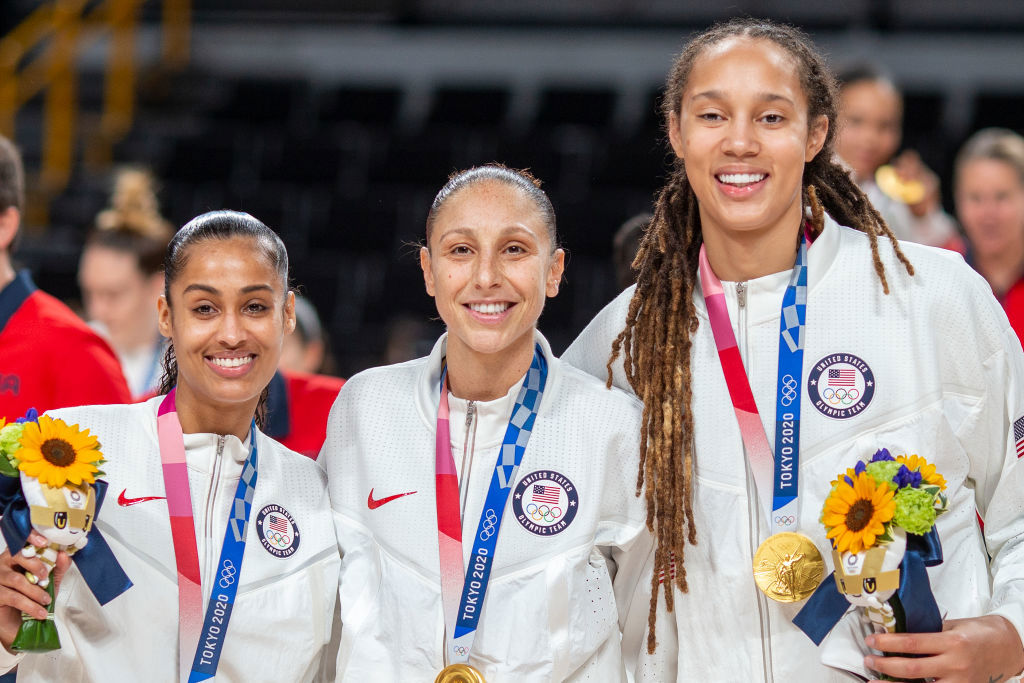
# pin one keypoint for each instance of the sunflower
(856, 515)
(928, 473)
(55, 453)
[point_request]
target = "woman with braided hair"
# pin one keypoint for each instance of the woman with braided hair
(746, 271)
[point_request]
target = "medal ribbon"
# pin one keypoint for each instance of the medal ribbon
(462, 614)
(204, 637)
(784, 510)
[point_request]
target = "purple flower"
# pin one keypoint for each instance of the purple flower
(881, 454)
(905, 477)
(860, 467)
(31, 416)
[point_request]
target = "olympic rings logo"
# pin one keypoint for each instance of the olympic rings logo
(840, 396)
(543, 513)
(278, 539)
(785, 520)
(788, 390)
(227, 574)
(460, 650)
(490, 525)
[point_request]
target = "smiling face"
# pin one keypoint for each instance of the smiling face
(227, 316)
(743, 134)
(870, 128)
(990, 205)
(489, 266)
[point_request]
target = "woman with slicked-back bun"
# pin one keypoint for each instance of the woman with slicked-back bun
(224, 533)
(121, 278)
(778, 333)
(483, 495)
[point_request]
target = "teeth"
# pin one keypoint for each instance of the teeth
(490, 308)
(232, 362)
(741, 178)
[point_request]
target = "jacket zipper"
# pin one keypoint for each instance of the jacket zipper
(753, 511)
(211, 506)
(468, 450)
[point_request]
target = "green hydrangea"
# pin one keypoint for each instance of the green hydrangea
(884, 471)
(915, 510)
(9, 436)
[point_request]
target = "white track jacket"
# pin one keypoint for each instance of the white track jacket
(282, 618)
(933, 369)
(556, 594)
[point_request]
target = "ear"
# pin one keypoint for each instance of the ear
(163, 312)
(555, 271)
(289, 313)
(816, 138)
(675, 135)
(428, 274)
(9, 222)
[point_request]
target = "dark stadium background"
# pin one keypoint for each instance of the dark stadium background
(335, 121)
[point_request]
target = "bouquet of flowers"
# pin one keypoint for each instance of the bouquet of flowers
(55, 466)
(880, 517)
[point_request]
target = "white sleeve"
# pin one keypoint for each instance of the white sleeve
(998, 475)
(592, 349)
(661, 666)
(9, 660)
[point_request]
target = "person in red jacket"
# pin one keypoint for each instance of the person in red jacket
(49, 358)
(299, 399)
(990, 204)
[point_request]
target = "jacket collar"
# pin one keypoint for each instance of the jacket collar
(428, 379)
(13, 296)
(764, 294)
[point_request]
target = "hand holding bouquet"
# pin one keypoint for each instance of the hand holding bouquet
(880, 517)
(56, 466)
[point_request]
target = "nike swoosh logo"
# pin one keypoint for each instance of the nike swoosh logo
(124, 501)
(374, 504)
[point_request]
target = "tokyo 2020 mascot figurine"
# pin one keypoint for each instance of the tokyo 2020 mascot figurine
(50, 486)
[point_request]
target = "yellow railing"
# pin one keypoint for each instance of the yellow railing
(40, 55)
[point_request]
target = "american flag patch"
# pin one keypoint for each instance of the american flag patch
(842, 377)
(1018, 435)
(278, 523)
(546, 494)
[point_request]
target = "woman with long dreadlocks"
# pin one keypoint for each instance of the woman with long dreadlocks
(745, 273)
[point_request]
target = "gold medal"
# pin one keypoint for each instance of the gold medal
(906, 191)
(788, 567)
(459, 673)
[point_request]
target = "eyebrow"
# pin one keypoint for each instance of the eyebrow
(764, 96)
(508, 230)
(213, 290)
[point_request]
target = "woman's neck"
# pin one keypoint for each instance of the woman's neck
(197, 417)
(1002, 268)
(476, 376)
(738, 256)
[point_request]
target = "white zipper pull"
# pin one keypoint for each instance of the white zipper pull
(741, 293)
(221, 439)
(470, 414)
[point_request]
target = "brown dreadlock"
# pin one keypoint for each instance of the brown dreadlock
(661, 321)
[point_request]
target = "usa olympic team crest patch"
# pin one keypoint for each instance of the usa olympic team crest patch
(278, 531)
(841, 386)
(545, 502)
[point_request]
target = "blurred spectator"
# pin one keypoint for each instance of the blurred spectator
(906, 192)
(49, 358)
(408, 336)
(121, 277)
(989, 188)
(624, 247)
(299, 400)
(305, 350)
